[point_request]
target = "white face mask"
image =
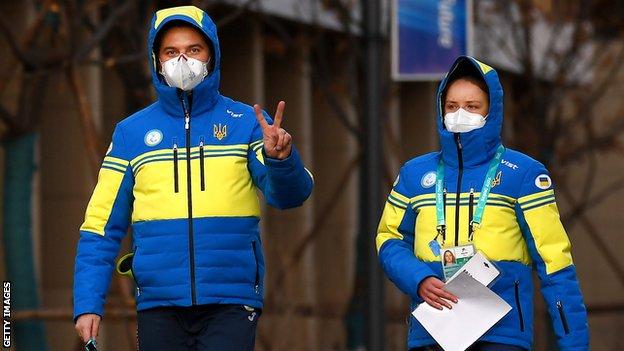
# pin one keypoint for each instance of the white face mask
(184, 72)
(462, 121)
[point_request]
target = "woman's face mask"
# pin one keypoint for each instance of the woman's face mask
(462, 121)
(465, 106)
(184, 72)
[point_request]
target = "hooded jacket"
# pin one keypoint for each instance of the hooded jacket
(520, 227)
(189, 194)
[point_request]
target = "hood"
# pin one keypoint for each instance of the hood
(206, 93)
(479, 145)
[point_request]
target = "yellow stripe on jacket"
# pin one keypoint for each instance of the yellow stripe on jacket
(102, 200)
(229, 189)
(389, 224)
(551, 241)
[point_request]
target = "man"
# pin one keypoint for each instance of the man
(183, 172)
(476, 195)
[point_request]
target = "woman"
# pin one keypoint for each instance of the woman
(477, 194)
(449, 258)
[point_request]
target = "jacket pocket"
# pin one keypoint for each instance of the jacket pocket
(257, 265)
(518, 305)
(175, 167)
(201, 164)
(562, 316)
(133, 270)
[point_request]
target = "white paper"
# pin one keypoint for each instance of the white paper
(477, 310)
(479, 268)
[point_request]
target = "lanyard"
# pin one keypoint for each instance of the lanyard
(483, 196)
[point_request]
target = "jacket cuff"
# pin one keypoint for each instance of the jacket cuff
(289, 162)
(92, 310)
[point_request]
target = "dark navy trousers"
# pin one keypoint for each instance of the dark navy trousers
(198, 328)
(479, 346)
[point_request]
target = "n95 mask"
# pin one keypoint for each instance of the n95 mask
(462, 121)
(184, 72)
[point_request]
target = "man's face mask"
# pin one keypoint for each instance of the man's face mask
(462, 121)
(184, 72)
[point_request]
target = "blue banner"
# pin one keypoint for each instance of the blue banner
(428, 35)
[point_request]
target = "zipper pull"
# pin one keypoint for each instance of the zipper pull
(187, 116)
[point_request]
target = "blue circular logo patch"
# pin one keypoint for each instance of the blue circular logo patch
(153, 137)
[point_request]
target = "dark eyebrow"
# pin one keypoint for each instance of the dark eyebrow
(168, 48)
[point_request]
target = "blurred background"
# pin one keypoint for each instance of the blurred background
(359, 79)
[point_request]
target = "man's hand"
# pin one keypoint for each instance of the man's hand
(88, 325)
(431, 289)
(277, 142)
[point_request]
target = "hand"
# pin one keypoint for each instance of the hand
(431, 289)
(87, 326)
(277, 142)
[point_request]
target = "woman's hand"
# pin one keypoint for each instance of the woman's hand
(431, 289)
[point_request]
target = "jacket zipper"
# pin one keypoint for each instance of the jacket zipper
(517, 293)
(470, 213)
(175, 167)
(257, 280)
(201, 163)
(189, 191)
(564, 320)
(460, 172)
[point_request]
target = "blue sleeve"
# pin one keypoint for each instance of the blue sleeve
(285, 183)
(106, 223)
(395, 241)
(550, 251)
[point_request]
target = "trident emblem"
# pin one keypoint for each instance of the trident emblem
(220, 131)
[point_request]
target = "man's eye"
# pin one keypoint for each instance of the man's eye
(195, 50)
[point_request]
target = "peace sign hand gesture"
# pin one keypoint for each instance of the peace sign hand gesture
(277, 142)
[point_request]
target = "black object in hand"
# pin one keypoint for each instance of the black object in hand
(91, 345)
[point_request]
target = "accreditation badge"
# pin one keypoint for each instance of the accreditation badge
(453, 258)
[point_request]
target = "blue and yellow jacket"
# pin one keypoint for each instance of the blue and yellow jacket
(520, 227)
(189, 194)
